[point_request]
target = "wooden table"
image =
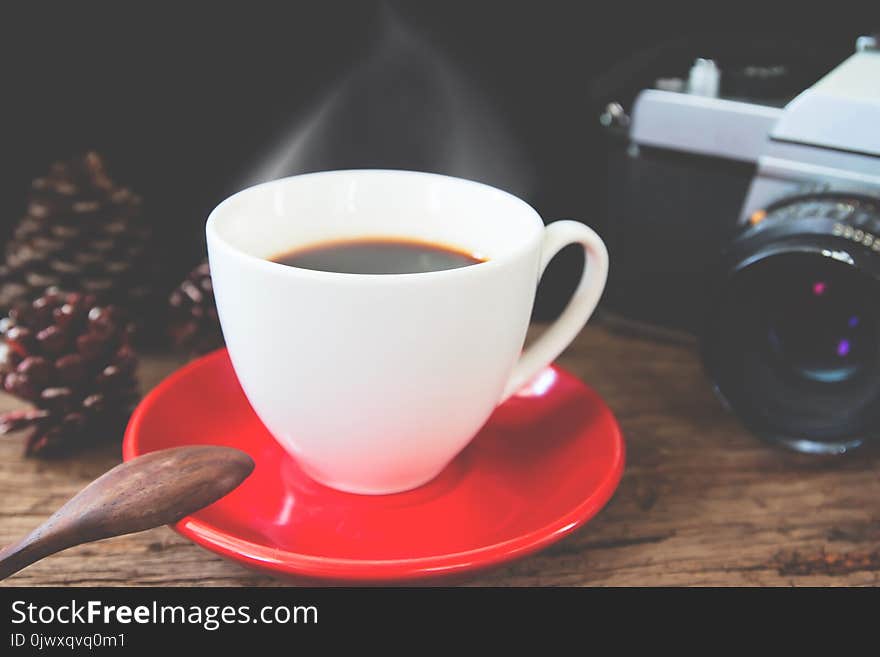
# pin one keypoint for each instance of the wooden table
(702, 502)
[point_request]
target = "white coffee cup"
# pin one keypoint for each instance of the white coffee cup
(374, 383)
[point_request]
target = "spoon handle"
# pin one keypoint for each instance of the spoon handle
(156, 489)
(22, 554)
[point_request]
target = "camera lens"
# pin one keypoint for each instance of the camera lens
(792, 340)
(819, 325)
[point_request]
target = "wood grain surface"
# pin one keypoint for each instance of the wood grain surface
(702, 502)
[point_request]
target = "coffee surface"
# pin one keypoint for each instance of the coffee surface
(377, 256)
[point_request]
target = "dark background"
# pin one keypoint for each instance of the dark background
(186, 101)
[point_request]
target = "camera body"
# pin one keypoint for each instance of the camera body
(756, 225)
(687, 171)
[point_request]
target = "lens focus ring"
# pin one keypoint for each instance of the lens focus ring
(855, 218)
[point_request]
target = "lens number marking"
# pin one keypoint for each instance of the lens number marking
(857, 235)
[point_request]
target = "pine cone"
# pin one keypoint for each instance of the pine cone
(72, 360)
(194, 324)
(81, 233)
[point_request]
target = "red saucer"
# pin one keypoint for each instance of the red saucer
(544, 464)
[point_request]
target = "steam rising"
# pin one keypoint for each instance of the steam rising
(405, 106)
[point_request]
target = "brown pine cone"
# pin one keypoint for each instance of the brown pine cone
(194, 325)
(81, 233)
(70, 359)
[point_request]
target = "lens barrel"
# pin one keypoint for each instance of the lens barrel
(792, 336)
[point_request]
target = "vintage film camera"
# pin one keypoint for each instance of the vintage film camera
(756, 225)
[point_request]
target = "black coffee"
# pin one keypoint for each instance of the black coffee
(377, 256)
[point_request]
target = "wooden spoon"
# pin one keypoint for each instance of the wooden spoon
(152, 490)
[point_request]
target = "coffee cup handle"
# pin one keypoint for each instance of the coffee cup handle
(560, 334)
